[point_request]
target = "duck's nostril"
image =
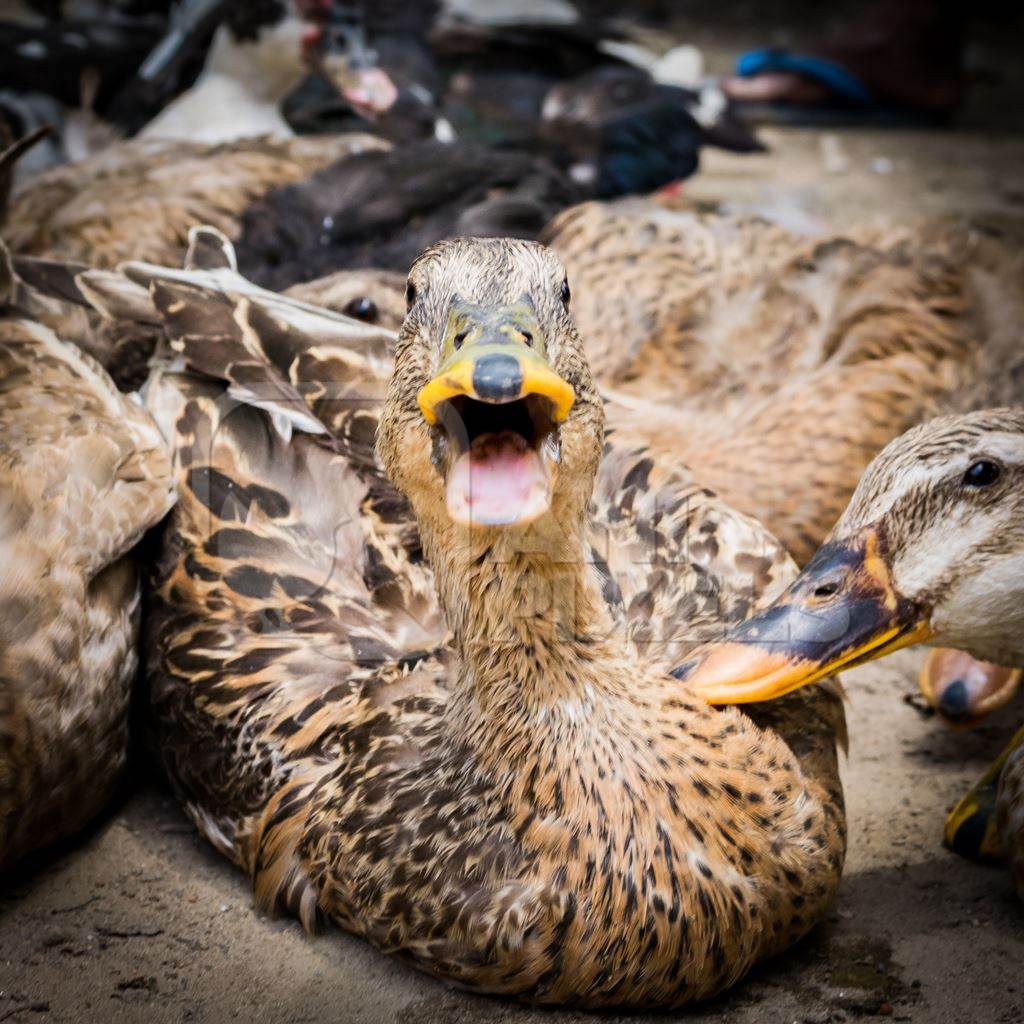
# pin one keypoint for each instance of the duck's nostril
(827, 589)
(497, 378)
(527, 338)
(460, 339)
(955, 702)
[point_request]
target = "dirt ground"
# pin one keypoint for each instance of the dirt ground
(142, 921)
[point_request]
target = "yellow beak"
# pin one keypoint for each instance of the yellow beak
(495, 356)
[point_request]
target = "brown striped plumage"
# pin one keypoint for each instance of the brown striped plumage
(83, 473)
(776, 366)
(546, 813)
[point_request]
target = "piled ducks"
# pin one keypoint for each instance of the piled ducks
(462, 740)
(216, 149)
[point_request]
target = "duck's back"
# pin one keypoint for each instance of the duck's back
(138, 200)
(775, 365)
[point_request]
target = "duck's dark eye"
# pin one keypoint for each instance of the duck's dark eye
(566, 294)
(362, 308)
(982, 473)
(410, 295)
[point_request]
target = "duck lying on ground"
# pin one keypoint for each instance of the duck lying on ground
(930, 549)
(84, 472)
(452, 730)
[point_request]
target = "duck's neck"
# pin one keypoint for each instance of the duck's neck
(239, 93)
(528, 622)
(269, 67)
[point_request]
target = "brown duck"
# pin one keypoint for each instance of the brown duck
(83, 473)
(930, 549)
(137, 200)
(456, 734)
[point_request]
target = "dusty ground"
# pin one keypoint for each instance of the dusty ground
(142, 921)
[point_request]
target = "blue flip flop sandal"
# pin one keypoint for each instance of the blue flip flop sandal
(853, 102)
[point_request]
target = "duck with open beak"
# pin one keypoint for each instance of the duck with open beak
(843, 609)
(497, 405)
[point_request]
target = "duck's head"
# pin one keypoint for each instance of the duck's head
(491, 420)
(930, 549)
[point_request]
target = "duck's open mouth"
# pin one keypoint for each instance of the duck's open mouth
(504, 459)
(496, 405)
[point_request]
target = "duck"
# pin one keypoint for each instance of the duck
(84, 472)
(628, 134)
(721, 338)
(424, 692)
(929, 550)
(138, 199)
(380, 209)
(259, 54)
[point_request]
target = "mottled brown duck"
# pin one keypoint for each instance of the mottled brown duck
(777, 366)
(459, 740)
(83, 473)
(930, 549)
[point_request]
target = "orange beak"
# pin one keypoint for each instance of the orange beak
(841, 611)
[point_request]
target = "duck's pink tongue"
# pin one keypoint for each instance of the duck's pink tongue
(501, 480)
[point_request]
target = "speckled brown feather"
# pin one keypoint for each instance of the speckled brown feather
(777, 366)
(83, 472)
(582, 832)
